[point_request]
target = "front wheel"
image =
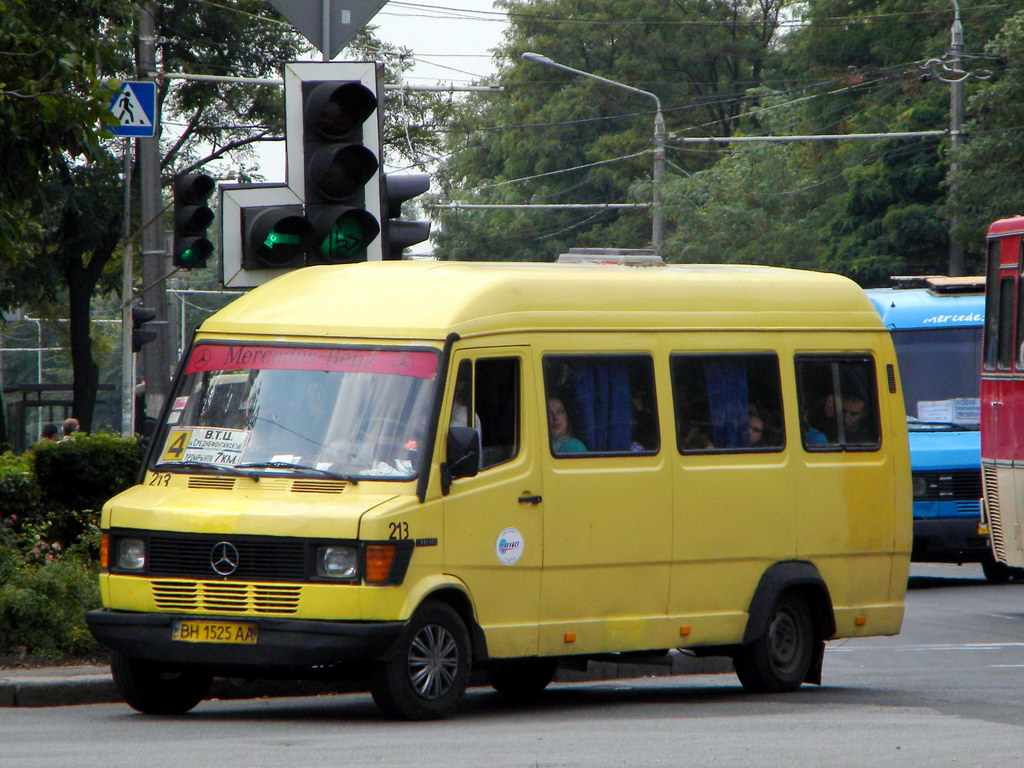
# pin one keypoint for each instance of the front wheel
(427, 676)
(154, 689)
(780, 659)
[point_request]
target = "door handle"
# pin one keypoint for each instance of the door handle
(529, 499)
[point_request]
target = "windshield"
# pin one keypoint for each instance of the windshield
(353, 412)
(941, 369)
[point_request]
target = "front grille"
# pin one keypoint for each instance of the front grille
(270, 560)
(225, 597)
(216, 483)
(950, 486)
(995, 516)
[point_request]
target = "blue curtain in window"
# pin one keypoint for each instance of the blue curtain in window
(728, 401)
(605, 405)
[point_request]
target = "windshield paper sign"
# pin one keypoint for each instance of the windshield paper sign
(217, 446)
(230, 357)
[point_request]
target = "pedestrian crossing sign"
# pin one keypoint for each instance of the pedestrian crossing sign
(134, 109)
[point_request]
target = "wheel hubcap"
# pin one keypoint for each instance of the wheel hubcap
(433, 661)
(784, 641)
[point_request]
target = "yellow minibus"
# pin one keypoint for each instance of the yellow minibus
(405, 472)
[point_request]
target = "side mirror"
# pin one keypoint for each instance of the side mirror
(463, 452)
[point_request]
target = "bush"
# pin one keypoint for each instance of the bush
(19, 493)
(43, 605)
(76, 476)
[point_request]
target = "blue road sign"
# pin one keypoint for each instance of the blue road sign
(134, 109)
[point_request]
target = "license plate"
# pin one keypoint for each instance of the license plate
(238, 632)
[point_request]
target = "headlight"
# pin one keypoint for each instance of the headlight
(920, 486)
(131, 554)
(337, 562)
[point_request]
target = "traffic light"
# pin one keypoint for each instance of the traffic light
(274, 237)
(399, 235)
(141, 335)
(192, 216)
(340, 167)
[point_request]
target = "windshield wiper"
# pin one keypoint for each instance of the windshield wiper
(300, 467)
(228, 469)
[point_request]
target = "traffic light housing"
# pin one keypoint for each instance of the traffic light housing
(140, 334)
(399, 235)
(192, 215)
(340, 165)
(274, 237)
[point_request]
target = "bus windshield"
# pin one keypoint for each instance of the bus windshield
(354, 413)
(940, 369)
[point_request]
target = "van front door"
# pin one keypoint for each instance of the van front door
(493, 522)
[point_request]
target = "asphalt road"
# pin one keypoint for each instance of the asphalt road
(949, 691)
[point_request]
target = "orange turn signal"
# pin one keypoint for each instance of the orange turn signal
(860, 621)
(379, 558)
(570, 637)
(105, 551)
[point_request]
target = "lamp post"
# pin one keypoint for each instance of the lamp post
(956, 118)
(657, 214)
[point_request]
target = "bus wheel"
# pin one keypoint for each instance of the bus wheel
(996, 572)
(780, 659)
(427, 675)
(521, 678)
(153, 689)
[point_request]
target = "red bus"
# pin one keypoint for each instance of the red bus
(1002, 393)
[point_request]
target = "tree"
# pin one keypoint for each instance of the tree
(987, 184)
(552, 137)
(71, 246)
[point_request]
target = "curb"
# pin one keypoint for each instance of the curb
(69, 686)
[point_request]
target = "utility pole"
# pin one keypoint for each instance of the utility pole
(657, 211)
(956, 120)
(156, 359)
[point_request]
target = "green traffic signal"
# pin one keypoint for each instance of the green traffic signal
(274, 237)
(341, 237)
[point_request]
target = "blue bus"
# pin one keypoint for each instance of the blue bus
(936, 325)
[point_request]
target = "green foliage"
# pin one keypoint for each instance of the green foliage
(43, 605)
(19, 493)
(555, 137)
(84, 471)
(987, 184)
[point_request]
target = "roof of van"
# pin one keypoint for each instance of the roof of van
(913, 308)
(429, 300)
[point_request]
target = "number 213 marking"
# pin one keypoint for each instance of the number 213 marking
(398, 530)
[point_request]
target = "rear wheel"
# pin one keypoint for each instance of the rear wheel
(780, 659)
(427, 676)
(155, 689)
(521, 678)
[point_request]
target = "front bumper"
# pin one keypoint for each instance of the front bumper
(283, 643)
(950, 540)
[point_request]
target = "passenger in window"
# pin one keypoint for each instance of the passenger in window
(644, 435)
(813, 436)
(562, 440)
(693, 439)
(857, 428)
(756, 429)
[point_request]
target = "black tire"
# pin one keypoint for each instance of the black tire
(155, 689)
(780, 659)
(427, 676)
(996, 572)
(521, 678)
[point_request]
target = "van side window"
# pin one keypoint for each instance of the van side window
(601, 404)
(492, 386)
(838, 403)
(497, 407)
(727, 403)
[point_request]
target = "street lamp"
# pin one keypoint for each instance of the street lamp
(657, 214)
